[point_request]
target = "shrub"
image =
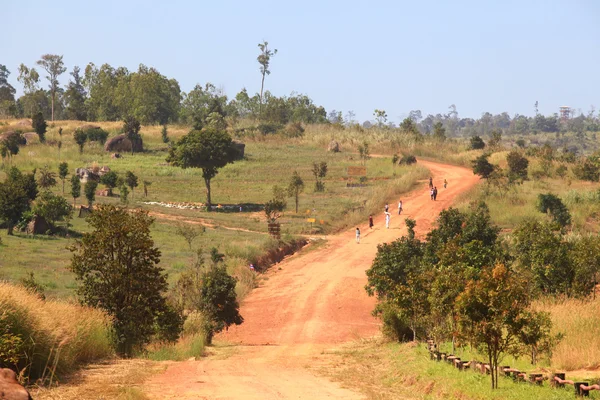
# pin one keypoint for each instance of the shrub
(39, 126)
(477, 143)
(294, 130)
(552, 205)
(96, 135)
(80, 138)
(268, 128)
(588, 170)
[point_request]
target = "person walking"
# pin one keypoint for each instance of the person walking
(357, 235)
(371, 221)
(387, 220)
(387, 207)
(445, 183)
(399, 207)
(435, 193)
(431, 193)
(430, 182)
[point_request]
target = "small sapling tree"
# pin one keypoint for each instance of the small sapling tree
(164, 134)
(517, 166)
(39, 126)
(80, 138)
(552, 205)
(47, 178)
(75, 188)
(63, 171)
(295, 187)
(319, 170)
(131, 128)
(90, 192)
(189, 232)
(482, 167)
(363, 152)
(131, 180)
(110, 181)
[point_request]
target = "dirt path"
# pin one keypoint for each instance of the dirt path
(313, 302)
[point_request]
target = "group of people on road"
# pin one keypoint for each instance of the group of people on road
(433, 191)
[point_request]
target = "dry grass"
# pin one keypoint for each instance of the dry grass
(579, 321)
(57, 336)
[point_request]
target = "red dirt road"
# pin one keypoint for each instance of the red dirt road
(309, 303)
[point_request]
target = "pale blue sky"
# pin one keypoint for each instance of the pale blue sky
(346, 55)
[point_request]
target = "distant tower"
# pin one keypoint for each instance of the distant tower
(565, 113)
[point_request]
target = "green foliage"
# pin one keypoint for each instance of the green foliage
(123, 193)
(63, 171)
(381, 117)
(495, 138)
(363, 152)
(47, 178)
(520, 143)
(131, 180)
(14, 201)
(96, 135)
(52, 208)
(295, 187)
(482, 167)
(39, 126)
(552, 205)
(117, 265)
(109, 180)
(131, 128)
(439, 132)
(10, 145)
(164, 134)
(264, 59)
(319, 170)
(202, 102)
(408, 159)
(268, 128)
(75, 97)
(80, 138)
(517, 166)
(477, 143)
(89, 191)
(208, 150)
(189, 232)
(588, 170)
(75, 187)
(274, 208)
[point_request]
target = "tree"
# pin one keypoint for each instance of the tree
(80, 138)
(10, 145)
(117, 265)
(123, 193)
(274, 208)
(63, 171)
(381, 117)
(109, 180)
(52, 207)
(208, 149)
(552, 205)
(131, 128)
(13, 203)
(7, 91)
(75, 97)
(75, 188)
(189, 232)
(295, 187)
(217, 301)
(39, 126)
(264, 59)
(439, 132)
(363, 152)
(164, 134)
(495, 138)
(319, 170)
(201, 103)
(47, 178)
(54, 66)
(90, 191)
(132, 181)
(517, 166)
(146, 184)
(493, 310)
(482, 167)
(477, 143)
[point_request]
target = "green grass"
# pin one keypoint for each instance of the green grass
(393, 370)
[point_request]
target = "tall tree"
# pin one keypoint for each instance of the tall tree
(13, 203)
(75, 97)
(30, 79)
(118, 266)
(209, 149)
(63, 171)
(7, 94)
(381, 117)
(264, 59)
(54, 66)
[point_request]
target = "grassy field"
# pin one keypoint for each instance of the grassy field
(392, 370)
(242, 236)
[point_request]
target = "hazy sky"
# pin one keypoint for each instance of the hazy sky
(346, 55)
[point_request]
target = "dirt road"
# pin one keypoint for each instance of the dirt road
(307, 304)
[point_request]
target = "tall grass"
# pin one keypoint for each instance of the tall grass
(190, 344)
(579, 321)
(55, 337)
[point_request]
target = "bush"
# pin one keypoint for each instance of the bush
(477, 143)
(588, 170)
(96, 135)
(552, 205)
(35, 341)
(39, 126)
(269, 128)
(395, 324)
(294, 130)
(407, 160)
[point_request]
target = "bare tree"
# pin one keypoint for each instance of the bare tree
(54, 66)
(264, 58)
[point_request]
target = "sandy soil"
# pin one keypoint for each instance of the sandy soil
(310, 303)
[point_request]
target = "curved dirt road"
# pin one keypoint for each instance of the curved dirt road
(307, 304)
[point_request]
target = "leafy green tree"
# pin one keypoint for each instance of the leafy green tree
(63, 171)
(90, 191)
(117, 264)
(52, 208)
(47, 178)
(217, 301)
(10, 145)
(493, 310)
(588, 170)
(30, 78)
(7, 91)
(410, 127)
(319, 170)
(208, 149)
(75, 97)
(202, 102)
(264, 59)
(553, 205)
(295, 187)
(164, 134)
(26, 181)
(274, 208)
(80, 138)
(381, 117)
(439, 132)
(13, 203)
(54, 66)
(131, 180)
(75, 188)
(585, 256)
(495, 138)
(96, 135)
(517, 166)
(39, 126)
(131, 128)
(123, 193)
(477, 143)
(109, 180)
(482, 167)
